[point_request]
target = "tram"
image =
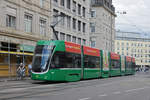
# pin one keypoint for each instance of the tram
(66, 61)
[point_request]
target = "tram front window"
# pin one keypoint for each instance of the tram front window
(42, 58)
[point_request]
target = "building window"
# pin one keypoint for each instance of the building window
(118, 43)
(93, 44)
(55, 1)
(79, 25)
(83, 11)
(92, 26)
(68, 22)
(127, 44)
(11, 21)
(43, 26)
(74, 7)
(79, 9)
(63, 19)
(62, 36)
(127, 48)
(84, 42)
(79, 40)
(74, 23)
(28, 23)
(122, 53)
(69, 38)
(127, 54)
(93, 13)
(74, 39)
(68, 4)
(145, 61)
(42, 3)
(55, 17)
(62, 2)
(84, 25)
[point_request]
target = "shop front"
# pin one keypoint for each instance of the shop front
(11, 55)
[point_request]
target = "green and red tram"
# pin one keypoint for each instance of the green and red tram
(66, 61)
(91, 63)
(128, 65)
(133, 65)
(105, 72)
(123, 69)
(115, 64)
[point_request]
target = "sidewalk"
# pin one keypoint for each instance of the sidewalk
(12, 79)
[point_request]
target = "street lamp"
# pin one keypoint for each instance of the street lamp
(53, 25)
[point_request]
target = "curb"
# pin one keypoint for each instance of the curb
(13, 79)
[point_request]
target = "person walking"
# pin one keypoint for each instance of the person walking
(29, 69)
(21, 71)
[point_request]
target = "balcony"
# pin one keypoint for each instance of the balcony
(104, 3)
(97, 2)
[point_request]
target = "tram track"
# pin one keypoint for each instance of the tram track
(35, 90)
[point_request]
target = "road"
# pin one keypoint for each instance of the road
(136, 87)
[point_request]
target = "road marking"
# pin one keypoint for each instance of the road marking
(84, 99)
(118, 92)
(103, 95)
(137, 89)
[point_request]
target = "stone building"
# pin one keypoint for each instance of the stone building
(134, 45)
(22, 23)
(74, 23)
(102, 24)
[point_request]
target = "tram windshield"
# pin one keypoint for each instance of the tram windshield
(42, 56)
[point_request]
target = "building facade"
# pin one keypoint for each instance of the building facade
(102, 24)
(73, 24)
(132, 44)
(22, 23)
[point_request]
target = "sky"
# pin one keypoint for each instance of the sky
(137, 17)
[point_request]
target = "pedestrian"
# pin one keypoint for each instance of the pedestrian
(21, 71)
(29, 69)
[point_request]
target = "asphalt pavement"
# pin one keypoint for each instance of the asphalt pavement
(135, 87)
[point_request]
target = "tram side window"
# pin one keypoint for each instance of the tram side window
(115, 64)
(66, 60)
(91, 62)
(128, 65)
(73, 60)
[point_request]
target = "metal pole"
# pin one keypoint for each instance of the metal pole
(9, 59)
(23, 54)
(53, 25)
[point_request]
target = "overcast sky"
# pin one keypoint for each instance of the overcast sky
(137, 17)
